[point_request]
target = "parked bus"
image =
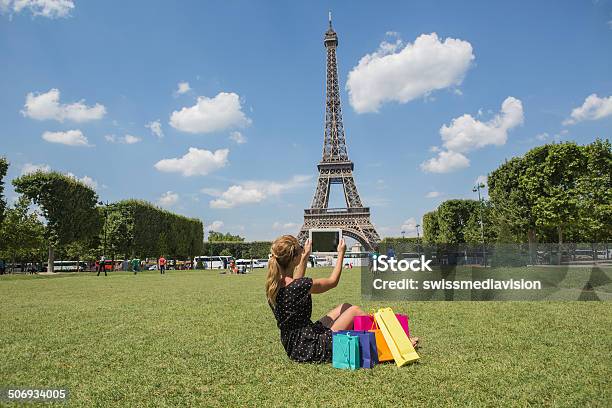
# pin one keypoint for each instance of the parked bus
(212, 262)
(67, 266)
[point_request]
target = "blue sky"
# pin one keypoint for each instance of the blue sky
(500, 77)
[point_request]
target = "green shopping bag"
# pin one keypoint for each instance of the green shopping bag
(345, 351)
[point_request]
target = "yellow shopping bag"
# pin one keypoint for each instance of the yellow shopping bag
(395, 336)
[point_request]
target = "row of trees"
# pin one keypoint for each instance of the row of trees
(69, 221)
(135, 227)
(246, 250)
(554, 193)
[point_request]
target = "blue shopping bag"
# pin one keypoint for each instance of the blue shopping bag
(367, 347)
(345, 351)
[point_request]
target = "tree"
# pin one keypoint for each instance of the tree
(431, 229)
(511, 205)
(68, 205)
(214, 236)
(551, 185)
(3, 169)
(453, 218)
(22, 234)
(595, 192)
(226, 252)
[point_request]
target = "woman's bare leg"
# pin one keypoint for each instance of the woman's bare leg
(345, 320)
(331, 316)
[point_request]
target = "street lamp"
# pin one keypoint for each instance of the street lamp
(418, 239)
(403, 233)
(477, 188)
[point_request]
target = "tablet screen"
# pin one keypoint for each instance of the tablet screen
(325, 241)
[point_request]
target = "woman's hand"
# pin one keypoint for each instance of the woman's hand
(342, 246)
(307, 249)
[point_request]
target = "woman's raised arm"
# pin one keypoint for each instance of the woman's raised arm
(324, 284)
(300, 269)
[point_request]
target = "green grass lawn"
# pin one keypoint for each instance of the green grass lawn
(197, 338)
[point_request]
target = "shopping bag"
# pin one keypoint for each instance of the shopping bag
(345, 351)
(367, 347)
(367, 322)
(401, 348)
(384, 353)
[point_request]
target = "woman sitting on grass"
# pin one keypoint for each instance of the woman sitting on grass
(288, 293)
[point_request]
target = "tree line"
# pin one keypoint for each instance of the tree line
(69, 221)
(559, 192)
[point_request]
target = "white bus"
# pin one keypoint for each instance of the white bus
(67, 266)
(211, 262)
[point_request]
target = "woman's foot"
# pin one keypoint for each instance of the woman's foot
(414, 341)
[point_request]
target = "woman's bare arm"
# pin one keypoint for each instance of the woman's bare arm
(300, 269)
(324, 284)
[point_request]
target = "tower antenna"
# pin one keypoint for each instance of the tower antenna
(330, 25)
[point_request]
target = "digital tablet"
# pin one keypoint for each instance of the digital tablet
(325, 240)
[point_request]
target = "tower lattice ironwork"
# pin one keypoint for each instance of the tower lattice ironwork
(335, 167)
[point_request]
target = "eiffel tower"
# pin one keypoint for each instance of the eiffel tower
(336, 168)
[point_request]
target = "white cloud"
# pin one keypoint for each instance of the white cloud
(433, 194)
(156, 128)
(47, 106)
(593, 108)
(409, 227)
(224, 111)
(130, 139)
(238, 137)
(168, 199)
(286, 226)
(182, 88)
(88, 181)
(446, 162)
(196, 162)
(481, 179)
(216, 226)
(127, 139)
(401, 73)
(465, 133)
(69, 137)
(542, 136)
(43, 8)
(251, 192)
(237, 195)
(33, 168)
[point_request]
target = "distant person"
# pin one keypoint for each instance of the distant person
(2, 267)
(102, 266)
(135, 265)
(162, 265)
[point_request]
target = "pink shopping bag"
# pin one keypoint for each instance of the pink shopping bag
(367, 322)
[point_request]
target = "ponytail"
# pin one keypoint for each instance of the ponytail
(273, 280)
(284, 249)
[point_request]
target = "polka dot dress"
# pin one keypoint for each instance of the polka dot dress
(304, 341)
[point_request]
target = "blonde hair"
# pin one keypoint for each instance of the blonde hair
(283, 252)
